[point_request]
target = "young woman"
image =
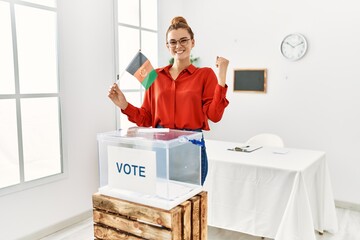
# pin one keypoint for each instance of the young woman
(183, 96)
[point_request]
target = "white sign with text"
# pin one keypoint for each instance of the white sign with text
(132, 169)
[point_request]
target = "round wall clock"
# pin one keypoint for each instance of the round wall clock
(294, 46)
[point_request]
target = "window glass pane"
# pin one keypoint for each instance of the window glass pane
(9, 158)
(125, 123)
(128, 12)
(36, 36)
(7, 83)
(149, 46)
(149, 14)
(48, 3)
(135, 99)
(128, 81)
(129, 45)
(41, 137)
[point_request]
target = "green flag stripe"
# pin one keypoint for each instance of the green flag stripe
(149, 79)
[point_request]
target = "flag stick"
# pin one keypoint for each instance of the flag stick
(118, 80)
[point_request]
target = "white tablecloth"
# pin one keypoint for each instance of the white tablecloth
(278, 193)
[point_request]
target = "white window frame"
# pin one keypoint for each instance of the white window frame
(140, 90)
(23, 185)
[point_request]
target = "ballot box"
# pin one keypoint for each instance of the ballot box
(157, 167)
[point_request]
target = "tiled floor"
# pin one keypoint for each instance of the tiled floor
(349, 229)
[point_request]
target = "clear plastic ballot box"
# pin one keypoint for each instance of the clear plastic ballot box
(157, 167)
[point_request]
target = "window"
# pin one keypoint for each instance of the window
(137, 29)
(30, 139)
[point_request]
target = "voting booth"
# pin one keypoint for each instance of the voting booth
(156, 167)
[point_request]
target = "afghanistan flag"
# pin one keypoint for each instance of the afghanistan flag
(142, 69)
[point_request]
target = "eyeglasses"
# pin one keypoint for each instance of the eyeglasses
(183, 42)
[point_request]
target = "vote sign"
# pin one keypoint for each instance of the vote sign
(132, 169)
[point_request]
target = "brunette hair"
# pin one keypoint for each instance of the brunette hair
(180, 22)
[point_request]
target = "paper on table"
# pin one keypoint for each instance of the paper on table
(248, 148)
(251, 148)
(281, 151)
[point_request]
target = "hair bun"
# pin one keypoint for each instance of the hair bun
(177, 20)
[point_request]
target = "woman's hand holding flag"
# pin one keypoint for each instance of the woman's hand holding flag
(117, 96)
(141, 68)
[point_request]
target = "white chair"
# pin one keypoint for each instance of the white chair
(266, 139)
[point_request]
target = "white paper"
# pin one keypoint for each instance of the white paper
(132, 169)
(153, 130)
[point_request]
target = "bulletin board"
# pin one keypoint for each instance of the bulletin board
(250, 80)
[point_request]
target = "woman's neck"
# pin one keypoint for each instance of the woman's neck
(179, 65)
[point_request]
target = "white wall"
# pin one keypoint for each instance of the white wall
(87, 70)
(313, 103)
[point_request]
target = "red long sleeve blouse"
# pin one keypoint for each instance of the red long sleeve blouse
(185, 103)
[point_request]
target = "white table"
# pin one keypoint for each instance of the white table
(279, 193)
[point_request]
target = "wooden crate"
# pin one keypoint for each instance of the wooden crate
(119, 219)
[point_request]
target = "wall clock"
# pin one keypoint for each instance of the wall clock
(294, 46)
